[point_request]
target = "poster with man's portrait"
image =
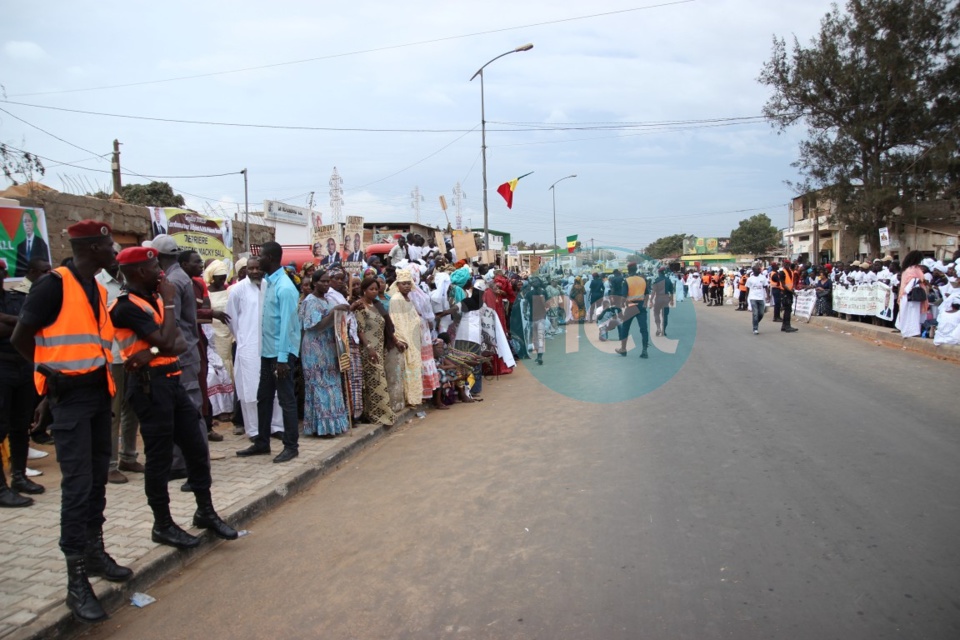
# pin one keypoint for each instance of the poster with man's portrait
(23, 239)
(353, 256)
(326, 244)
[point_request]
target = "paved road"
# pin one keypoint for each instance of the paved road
(778, 486)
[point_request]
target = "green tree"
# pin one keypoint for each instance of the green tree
(879, 91)
(754, 236)
(155, 194)
(668, 246)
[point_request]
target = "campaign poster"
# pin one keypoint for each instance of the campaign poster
(327, 239)
(353, 257)
(804, 303)
(23, 237)
(212, 238)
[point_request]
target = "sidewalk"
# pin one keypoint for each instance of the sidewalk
(882, 336)
(33, 573)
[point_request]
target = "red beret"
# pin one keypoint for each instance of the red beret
(3, 263)
(88, 229)
(136, 255)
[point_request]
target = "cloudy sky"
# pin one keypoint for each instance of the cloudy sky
(642, 101)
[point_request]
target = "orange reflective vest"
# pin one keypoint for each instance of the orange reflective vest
(636, 288)
(773, 283)
(787, 276)
(76, 343)
(130, 343)
(743, 283)
(706, 279)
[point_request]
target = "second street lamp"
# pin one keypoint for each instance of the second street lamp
(483, 140)
(556, 258)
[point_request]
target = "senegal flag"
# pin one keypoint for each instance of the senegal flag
(507, 188)
(571, 244)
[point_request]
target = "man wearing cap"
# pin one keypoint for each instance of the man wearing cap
(636, 307)
(65, 330)
(150, 343)
(123, 434)
(185, 313)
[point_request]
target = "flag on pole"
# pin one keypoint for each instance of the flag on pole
(571, 244)
(507, 188)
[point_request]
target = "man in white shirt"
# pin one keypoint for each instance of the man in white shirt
(398, 252)
(244, 308)
(757, 289)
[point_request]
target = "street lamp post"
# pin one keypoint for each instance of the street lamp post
(483, 140)
(556, 258)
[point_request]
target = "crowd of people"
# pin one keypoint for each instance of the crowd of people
(925, 292)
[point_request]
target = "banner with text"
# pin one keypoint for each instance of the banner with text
(353, 258)
(874, 299)
(212, 238)
(804, 302)
(326, 244)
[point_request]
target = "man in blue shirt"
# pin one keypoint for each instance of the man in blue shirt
(279, 350)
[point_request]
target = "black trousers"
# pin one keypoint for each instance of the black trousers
(270, 386)
(639, 312)
(81, 429)
(776, 303)
(168, 416)
(786, 303)
(18, 397)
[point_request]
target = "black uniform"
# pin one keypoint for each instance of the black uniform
(166, 413)
(81, 408)
(18, 396)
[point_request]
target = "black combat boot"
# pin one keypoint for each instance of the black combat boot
(98, 561)
(165, 531)
(207, 518)
(81, 600)
(20, 483)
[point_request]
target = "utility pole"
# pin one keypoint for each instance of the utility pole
(592, 257)
(246, 213)
(115, 169)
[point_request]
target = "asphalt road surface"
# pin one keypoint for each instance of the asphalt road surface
(799, 486)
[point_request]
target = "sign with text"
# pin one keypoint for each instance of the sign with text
(353, 258)
(212, 238)
(874, 299)
(326, 244)
(283, 212)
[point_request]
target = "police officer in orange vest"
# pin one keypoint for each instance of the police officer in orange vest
(150, 341)
(775, 290)
(786, 278)
(65, 331)
(636, 307)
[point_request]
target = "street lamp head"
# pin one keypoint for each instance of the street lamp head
(525, 47)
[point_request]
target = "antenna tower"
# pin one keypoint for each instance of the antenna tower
(416, 199)
(458, 196)
(336, 198)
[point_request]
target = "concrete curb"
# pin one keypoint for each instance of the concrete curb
(885, 336)
(58, 623)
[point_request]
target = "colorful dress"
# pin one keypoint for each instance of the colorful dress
(376, 395)
(324, 409)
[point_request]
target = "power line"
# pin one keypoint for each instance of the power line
(353, 53)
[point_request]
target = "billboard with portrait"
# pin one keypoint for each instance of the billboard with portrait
(23, 237)
(353, 258)
(212, 238)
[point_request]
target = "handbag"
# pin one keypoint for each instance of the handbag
(917, 294)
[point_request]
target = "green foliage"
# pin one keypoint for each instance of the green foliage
(754, 236)
(155, 194)
(879, 91)
(669, 246)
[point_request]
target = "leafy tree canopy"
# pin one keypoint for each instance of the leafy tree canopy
(879, 91)
(754, 236)
(155, 194)
(669, 246)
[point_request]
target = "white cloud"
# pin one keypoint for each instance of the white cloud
(24, 50)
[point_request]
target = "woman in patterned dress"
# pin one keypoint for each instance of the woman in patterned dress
(325, 413)
(374, 341)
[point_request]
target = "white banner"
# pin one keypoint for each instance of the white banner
(804, 301)
(874, 299)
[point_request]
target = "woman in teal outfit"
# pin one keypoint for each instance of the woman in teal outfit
(324, 411)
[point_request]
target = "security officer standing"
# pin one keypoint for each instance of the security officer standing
(150, 343)
(65, 331)
(786, 278)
